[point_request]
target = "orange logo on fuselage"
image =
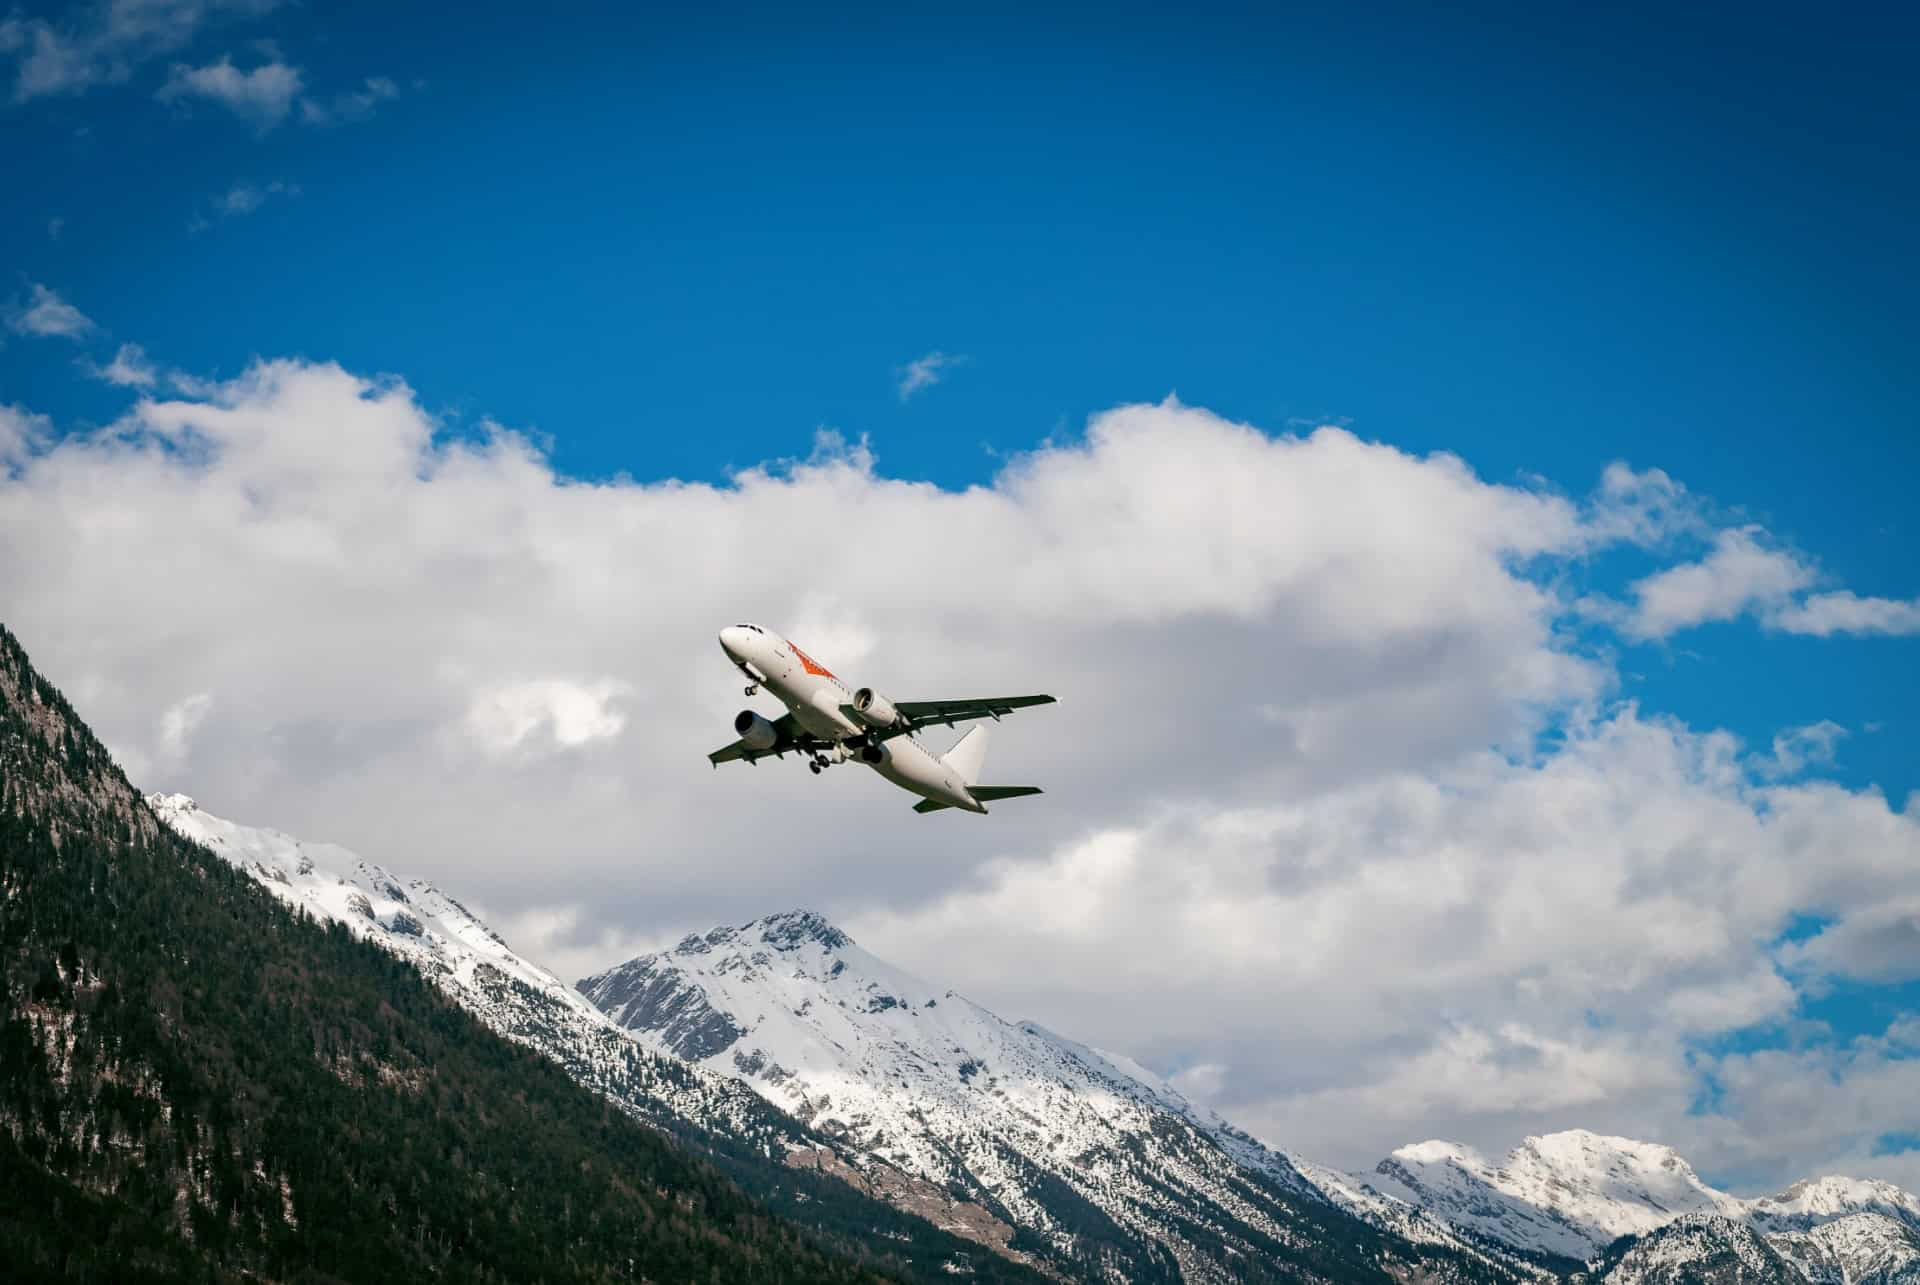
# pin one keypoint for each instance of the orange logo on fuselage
(812, 666)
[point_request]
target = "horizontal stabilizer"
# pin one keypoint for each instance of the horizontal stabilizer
(928, 805)
(989, 793)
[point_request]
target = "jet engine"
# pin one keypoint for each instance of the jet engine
(874, 709)
(756, 733)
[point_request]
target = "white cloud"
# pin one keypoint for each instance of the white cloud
(1832, 1101)
(245, 198)
(563, 941)
(1826, 614)
(179, 723)
(349, 105)
(1739, 574)
(21, 432)
(46, 314)
(1881, 943)
(261, 97)
(925, 372)
(102, 43)
(1799, 748)
(239, 200)
(1745, 573)
(1377, 909)
(130, 368)
(1642, 508)
(1200, 1083)
(556, 711)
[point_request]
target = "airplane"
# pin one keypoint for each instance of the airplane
(830, 724)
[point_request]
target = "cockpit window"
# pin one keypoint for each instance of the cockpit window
(756, 628)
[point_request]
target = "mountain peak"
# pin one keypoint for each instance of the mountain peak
(794, 928)
(1815, 1200)
(1099, 1161)
(1584, 1148)
(1568, 1194)
(1439, 1151)
(787, 930)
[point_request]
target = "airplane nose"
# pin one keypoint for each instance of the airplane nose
(731, 640)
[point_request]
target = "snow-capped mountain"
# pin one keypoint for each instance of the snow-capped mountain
(1855, 1249)
(1572, 1195)
(1697, 1249)
(1708, 1249)
(1101, 1160)
(1566, 1195)
(1808, 1204)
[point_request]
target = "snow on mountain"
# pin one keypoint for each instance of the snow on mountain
(1570, 1195)
(1084, 1148)
(1565, 1195)
(1698, 1249)
(1814, 1201)
(1855, 1249)
(475, 966)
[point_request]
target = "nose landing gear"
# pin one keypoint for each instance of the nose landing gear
(752, 690)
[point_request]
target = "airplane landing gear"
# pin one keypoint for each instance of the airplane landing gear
(814, 767)
(752, 690)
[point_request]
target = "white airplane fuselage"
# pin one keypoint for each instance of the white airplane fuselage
(815, 697)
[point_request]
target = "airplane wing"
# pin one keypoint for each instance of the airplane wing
(924, 713)
(791, 738)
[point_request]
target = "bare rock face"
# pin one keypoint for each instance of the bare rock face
(642, 995)
(884, 1182)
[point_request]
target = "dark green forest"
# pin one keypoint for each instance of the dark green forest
(199, 1084)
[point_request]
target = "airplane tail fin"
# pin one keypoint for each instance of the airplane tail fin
(968, 754)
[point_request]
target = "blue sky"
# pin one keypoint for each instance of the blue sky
(676, 246)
